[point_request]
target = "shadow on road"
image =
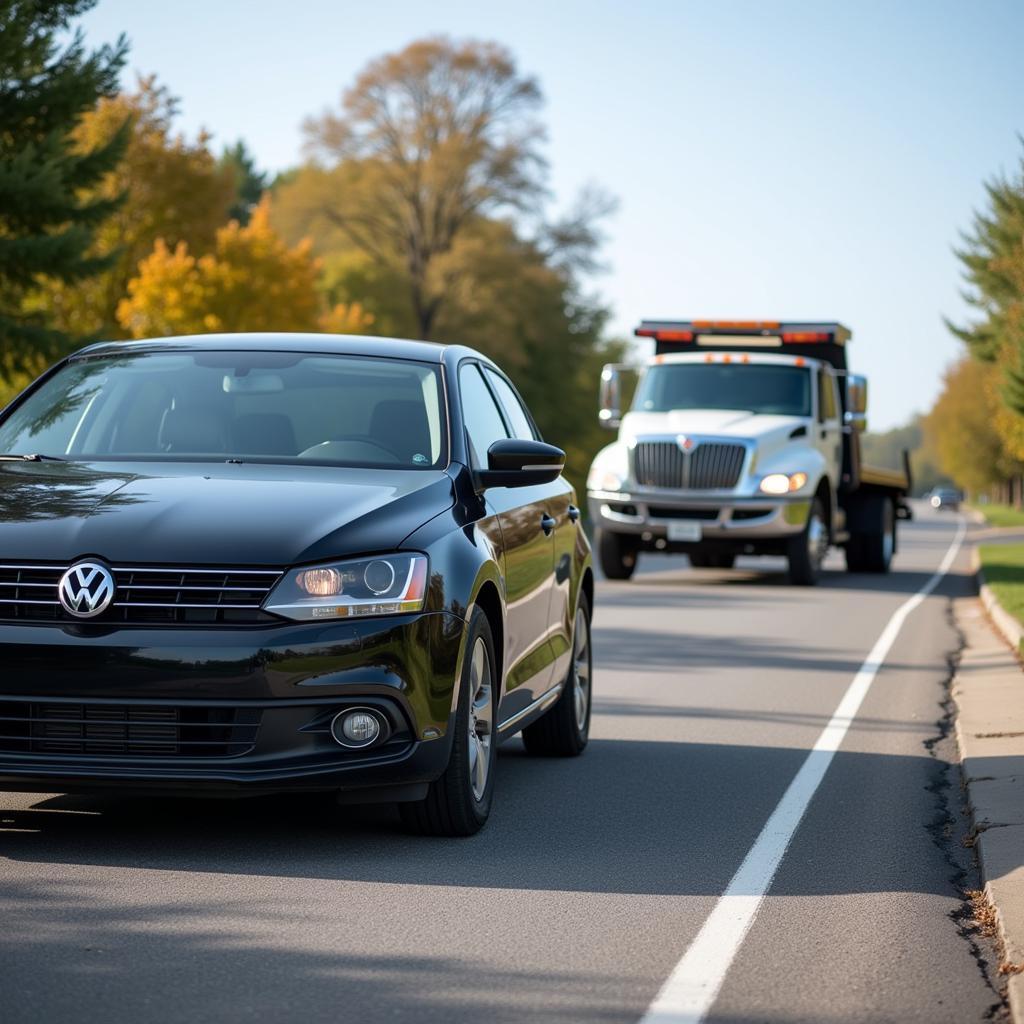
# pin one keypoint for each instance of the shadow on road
(631, 817)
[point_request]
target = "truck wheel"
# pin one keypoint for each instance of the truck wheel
(807, 550)
(617, 554)
(872, 550)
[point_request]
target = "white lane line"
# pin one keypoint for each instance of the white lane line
(693, 986)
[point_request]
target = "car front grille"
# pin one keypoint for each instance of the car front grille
(709, 465)
(127, 730)
(154, 595)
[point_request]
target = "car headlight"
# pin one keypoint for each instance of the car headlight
(383, 585)
(783, 483)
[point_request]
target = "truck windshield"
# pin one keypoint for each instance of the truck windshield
(751, 387)
(230, 405)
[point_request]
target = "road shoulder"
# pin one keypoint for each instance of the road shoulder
(988, 689)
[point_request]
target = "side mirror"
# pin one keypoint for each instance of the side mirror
(857, 401)
(512, 462)
(610, 408)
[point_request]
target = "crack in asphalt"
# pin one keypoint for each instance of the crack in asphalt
(949, 835)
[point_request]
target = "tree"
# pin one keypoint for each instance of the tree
(962, 432)
(48, 209)
(427, 140)
(174, 190)
(510, 299)
(250, 184)
(252, 281)
(993, 263)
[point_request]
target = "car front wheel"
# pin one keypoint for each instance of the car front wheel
(459, 802)
(563, 730)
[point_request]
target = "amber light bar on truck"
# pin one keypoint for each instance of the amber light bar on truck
(743, 333)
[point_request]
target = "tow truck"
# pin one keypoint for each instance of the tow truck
(743, 438)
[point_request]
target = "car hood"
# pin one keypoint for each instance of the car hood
(210, 514)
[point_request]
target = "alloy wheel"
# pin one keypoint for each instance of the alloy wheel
(480, 718)
(581, 669)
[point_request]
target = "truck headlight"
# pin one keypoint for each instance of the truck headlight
(783, 483)
(384, 585)
(606, 481)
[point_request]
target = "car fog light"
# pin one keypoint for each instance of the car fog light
(355, 728)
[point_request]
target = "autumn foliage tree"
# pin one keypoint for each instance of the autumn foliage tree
(251, 281)
(174, 190)
(426, 140)
(963, 431)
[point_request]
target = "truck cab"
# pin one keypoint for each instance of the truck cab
(741, 438)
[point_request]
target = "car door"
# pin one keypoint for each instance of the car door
(559, 502)
(528, 549)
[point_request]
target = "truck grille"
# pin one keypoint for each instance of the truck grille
(136, 730)
(710, 465)
(144, 596)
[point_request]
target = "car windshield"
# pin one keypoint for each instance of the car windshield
(753, 387)
(248, 406)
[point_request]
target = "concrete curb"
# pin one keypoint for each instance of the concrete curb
(1012, 630)
(988, 690)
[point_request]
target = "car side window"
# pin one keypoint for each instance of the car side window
(480, 415)
(514, 411)
(826, 396)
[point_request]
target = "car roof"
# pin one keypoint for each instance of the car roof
(339, 344)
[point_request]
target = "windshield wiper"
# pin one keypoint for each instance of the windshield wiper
(34, 457)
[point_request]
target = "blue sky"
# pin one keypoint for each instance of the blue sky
(791, 160)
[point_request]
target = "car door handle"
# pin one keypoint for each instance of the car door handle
(547, 524)
(574, 514)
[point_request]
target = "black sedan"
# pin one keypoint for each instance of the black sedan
(255, 563)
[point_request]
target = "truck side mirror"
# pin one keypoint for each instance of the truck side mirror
(857, 401)
(610, 411)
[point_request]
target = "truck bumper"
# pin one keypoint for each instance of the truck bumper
(728, 522)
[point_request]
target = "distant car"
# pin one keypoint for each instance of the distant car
(258, 563)
(945, 498)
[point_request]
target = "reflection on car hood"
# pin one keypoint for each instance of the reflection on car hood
(210, 514)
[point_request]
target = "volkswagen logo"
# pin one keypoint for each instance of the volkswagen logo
(86, 590)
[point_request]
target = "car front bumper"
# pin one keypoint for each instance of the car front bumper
(243, 710)
(727, 518)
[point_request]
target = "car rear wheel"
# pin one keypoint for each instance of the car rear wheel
(459, 802)
(564, 728)
(617, 553)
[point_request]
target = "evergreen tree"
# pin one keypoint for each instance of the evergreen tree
(250, 184)
(993, 263)
(46, 228)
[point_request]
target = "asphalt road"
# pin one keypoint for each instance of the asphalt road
(594, 875)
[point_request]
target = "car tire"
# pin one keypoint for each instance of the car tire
(723, 561)
(617, 554)
(699, 559)
(872, 550)
(806, 551)
(459, 802)
(563, 730)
